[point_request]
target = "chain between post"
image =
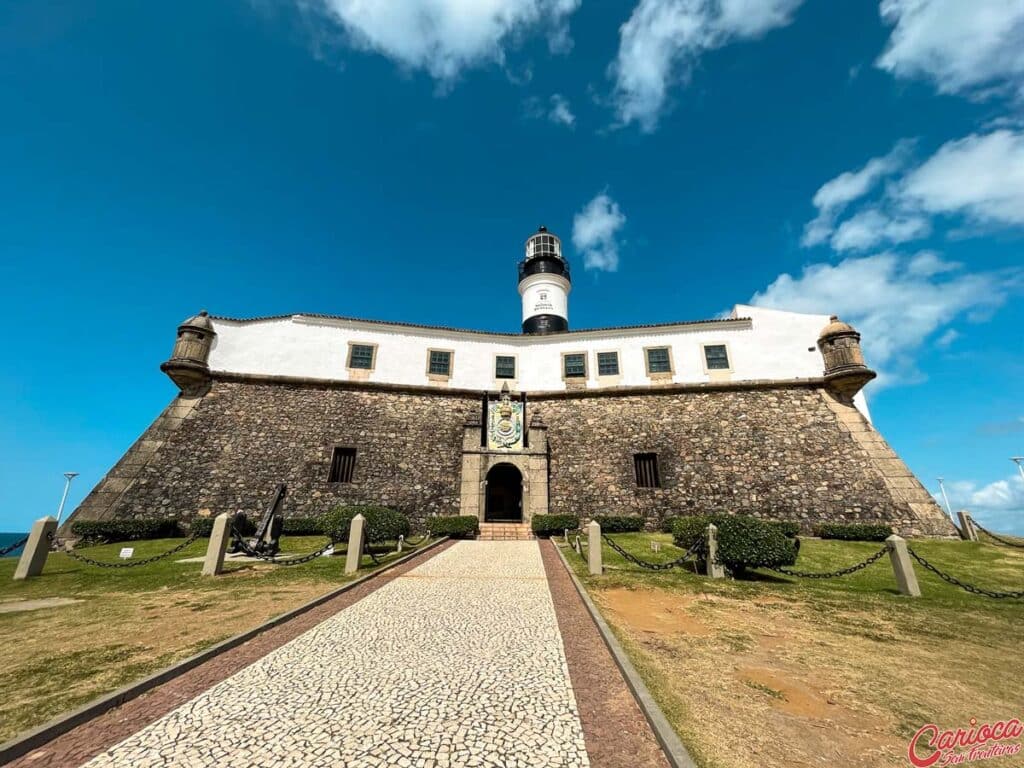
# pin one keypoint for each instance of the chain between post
(998, 538)
(128, 564)
(833, 574)
(679, 561)
(10, 548)
(963, 585)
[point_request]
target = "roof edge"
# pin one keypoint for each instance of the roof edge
(302, 316)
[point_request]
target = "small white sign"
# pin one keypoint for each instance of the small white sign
(126, 553)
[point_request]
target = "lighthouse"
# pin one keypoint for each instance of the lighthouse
(544, 285)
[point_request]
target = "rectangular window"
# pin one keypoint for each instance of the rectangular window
(343, 465)
(440, 363)
(504, 367)
(361, 356)
(717, 357)
(658, 360)
(575, 366)
(607, 363)
(646, 465)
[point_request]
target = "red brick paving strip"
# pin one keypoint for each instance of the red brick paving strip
(83, 743)
(616, 732)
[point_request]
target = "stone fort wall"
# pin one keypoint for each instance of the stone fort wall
(784, 453)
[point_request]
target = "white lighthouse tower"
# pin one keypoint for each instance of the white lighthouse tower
(544, 284)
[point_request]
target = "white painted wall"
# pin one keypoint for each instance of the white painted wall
(771, 345)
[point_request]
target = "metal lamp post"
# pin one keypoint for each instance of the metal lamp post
(1019, 461)
(68, 477)
(949, 510)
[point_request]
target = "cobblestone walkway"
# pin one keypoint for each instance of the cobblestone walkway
(457, 663)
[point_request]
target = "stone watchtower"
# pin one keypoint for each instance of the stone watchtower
(189, 364)
(845, 370)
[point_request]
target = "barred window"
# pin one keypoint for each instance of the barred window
(361, 356)
(343, 465)
(440, 363)
(504, 367)
(607, 363)
(717, 357)
(575, 366)
(646, 466)
(658, 360)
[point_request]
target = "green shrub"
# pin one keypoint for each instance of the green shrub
(620, 523)
(550, 525)
(854, 531)
(746, 542)
(203, 526)
(456, 526)
(788, 528)
(126, 529)
(688, 529)
(382, 524)
(667, 523)
(303, 526)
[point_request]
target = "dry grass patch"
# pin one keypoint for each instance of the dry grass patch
(779, 673)
(129, 623)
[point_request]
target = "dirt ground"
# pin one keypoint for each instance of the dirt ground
(779, 682)
(54, 659)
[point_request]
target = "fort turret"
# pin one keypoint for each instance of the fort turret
(544, 284)
(845, 370)
(189, 364)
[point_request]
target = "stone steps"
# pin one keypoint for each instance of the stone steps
(505, 532)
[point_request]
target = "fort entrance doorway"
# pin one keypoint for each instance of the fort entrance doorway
(504, 494)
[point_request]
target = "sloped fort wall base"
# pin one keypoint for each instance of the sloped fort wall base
(789, 452)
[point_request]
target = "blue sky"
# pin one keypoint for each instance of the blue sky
(387, 161)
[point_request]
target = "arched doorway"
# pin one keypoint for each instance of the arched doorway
(504, 500)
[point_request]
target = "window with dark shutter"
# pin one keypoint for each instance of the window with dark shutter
(361, 356)
(439, 363)
(343, 465)
(607, 363)
(504, 367)
(574, 366)
(717, 357)
(658, 360)
(646, 465)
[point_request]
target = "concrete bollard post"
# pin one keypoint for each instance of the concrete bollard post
(594, 548)
(906, 579)
(33, 557)
(967, 528)
(213, 563)
(714, 569)
(356, 539)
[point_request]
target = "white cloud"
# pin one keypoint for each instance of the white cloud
(998, 506)
(834, 195)
(973, 47)
(594, 233)
(980, 177)
(662, 40)
(560, 112)
(893, 303)
(444, 37)
(555, 109)
(946, 340)
(871, 227)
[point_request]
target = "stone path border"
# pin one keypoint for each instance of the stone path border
(623, 725)
(77, 737)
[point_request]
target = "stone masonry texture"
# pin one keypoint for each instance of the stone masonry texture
(781, 454)
(785, 453)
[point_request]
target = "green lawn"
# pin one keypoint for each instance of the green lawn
(133, 621)
(777, 671)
